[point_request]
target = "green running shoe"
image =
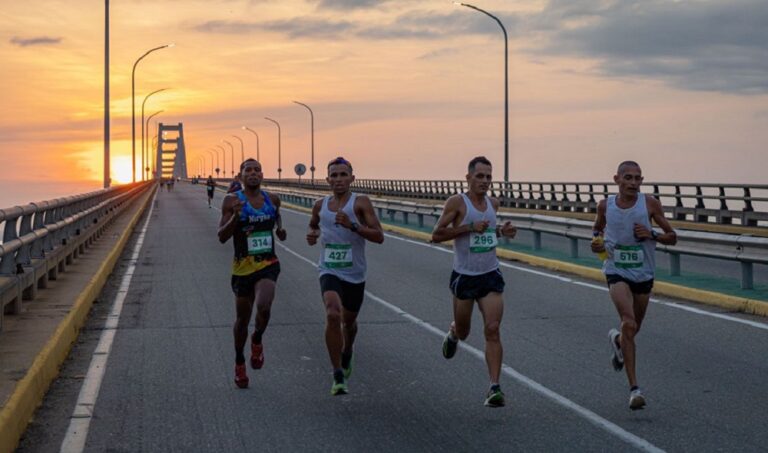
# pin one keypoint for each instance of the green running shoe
(449, 346)
(339, 388)
(495, 397)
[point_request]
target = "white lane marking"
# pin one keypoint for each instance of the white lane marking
(561, 278)
(590, 416)
(79, 424)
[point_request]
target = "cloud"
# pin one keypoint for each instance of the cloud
(301, 27)
(439, 53)
(350, 4)
(690, 44)
(36, 41)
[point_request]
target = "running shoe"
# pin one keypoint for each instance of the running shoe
(449, 346)
(339, 386)
(495, 397)
(636, 399)
(257, 355)
(348, 368)
(241, 378)
(617, 358)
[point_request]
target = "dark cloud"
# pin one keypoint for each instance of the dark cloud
(293, 28)
(36, 41)
(693, 44)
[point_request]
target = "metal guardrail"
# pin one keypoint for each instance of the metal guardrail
(747, 250)
(723, 204)
(41, 239)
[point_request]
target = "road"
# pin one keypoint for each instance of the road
(167, 384)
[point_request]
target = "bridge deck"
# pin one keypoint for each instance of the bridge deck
(168, 382)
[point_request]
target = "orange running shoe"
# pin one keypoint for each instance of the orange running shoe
(241, 379)
(257, 355)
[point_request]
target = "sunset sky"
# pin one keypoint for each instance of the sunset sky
(405, 89)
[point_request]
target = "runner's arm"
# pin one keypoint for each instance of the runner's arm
(599, 226)
(370, 229)
(230, 210)
(314, 223)
(668, 237)
(446, 228)
(280, 232)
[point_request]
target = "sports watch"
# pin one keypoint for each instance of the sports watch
(354, 227)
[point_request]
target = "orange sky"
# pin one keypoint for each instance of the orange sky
(402, 88)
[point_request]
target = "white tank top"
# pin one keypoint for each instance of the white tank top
(632, 259)
(475, 253)
(343, 251)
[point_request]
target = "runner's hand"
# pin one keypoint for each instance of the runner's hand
(508, 230)
(343, 220)
(281, 233)
(642, 232)
(312, 236)
(479, 227)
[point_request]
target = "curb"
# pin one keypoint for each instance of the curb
(732, 303)
(31, 389)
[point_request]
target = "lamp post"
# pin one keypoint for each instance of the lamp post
(258, 156)
(217, 169)
(143, 147)
(210, 153)
(232, 157)
(506, 86)
(147, 132)
(279, 150)
(107, 179)
(242, 146)
(223, 160)
(312, 126)
(154, 147)
(133, 105)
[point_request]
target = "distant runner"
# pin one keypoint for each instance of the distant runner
(249, 216)
(630, 240)
(470, 220)
(210, 188)
(343, 222)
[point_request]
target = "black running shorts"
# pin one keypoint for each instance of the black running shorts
(245, 285)
(636, 287)
(473, 287)
(351, 294)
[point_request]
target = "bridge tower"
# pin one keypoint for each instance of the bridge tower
(171, 162)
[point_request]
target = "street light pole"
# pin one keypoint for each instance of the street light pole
(242, 151)
(223, 160)
(217, 169)
(258, 156)
(107, 178)
(143, 147)
(279, 149)
(133, 106)
(210, 153)
(232, 156)
(146, 169)
(154, 147)
(506, 86)
(312, 123)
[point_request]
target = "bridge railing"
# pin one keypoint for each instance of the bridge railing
(41, 239)
(725, 204)
(744, 249)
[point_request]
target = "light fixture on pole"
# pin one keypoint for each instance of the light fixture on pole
(217, 169)
(506, 86)
(279, 149)
(312, 126)
(147, 132)
(133, 105)
(258, 155)
(242, 146)
(143, 147)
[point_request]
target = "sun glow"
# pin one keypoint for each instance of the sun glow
(121, 170)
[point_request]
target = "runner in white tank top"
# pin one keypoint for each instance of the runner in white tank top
(470, 221)
(342, 222)
(625, 220)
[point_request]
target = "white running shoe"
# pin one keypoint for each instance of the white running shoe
(617, 358)
(636, 399)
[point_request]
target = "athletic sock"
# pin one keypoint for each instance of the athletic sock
(346, 358)
(495, 387)
(338, 375)
(256, 337)
(239, 357)
(633, 388)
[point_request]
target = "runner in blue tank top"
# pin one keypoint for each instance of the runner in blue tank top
(249, 217)
(630, 241)
(342, 222)
(470, 220)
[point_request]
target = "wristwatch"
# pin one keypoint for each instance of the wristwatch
(354, 227)
(654, 234)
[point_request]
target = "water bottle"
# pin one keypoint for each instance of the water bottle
(597, 239)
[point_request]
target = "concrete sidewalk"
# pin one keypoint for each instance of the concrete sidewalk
(35, 342)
